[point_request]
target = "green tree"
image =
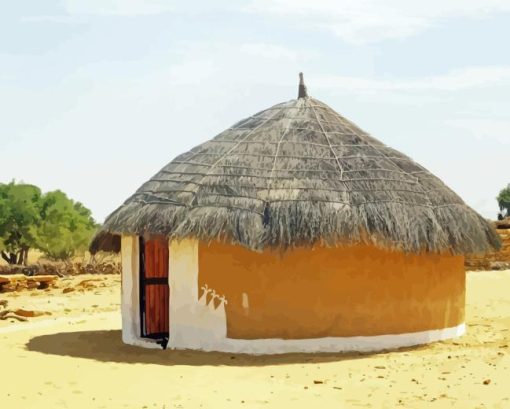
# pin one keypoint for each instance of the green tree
(504, 199)
(19, 218)
(66, 226)
(51, 222)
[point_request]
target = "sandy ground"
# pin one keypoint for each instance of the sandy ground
(75, 359)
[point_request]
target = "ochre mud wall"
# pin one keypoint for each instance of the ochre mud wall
(344, 291)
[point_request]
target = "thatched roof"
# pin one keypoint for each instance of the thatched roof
(297, 174)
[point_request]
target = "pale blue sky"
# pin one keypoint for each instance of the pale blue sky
(97, 95)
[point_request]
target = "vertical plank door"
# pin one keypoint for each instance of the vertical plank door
(155, 290)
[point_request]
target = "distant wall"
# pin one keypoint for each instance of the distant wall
(333, 292)
(493, 260)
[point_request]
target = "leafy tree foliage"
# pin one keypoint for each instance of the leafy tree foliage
(19, 218)
(504, 200)
(51, 222)
(66, 226)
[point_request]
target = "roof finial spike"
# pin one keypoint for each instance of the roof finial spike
(302, 93)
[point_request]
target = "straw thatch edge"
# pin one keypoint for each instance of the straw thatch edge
(285, 225)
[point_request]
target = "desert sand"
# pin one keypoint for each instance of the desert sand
(74, 358)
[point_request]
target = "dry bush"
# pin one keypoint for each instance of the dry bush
(87, 264)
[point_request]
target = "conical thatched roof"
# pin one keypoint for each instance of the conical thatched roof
(299, 173)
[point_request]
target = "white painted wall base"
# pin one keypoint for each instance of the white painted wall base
(329, 344)
(143, 342)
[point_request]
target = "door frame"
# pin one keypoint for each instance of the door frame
(162, 337)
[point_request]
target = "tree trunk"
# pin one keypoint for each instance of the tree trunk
(23, 256)
(26, 256)
(10, 257)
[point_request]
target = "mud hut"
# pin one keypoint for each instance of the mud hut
(293, 230)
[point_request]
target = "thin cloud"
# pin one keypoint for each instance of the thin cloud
(144, 7)
(49, 18)
(484, 129)
(117, 7)
(274, 51)
(368, 21)
(454, 80)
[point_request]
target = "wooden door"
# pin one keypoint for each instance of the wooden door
(154, 289)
